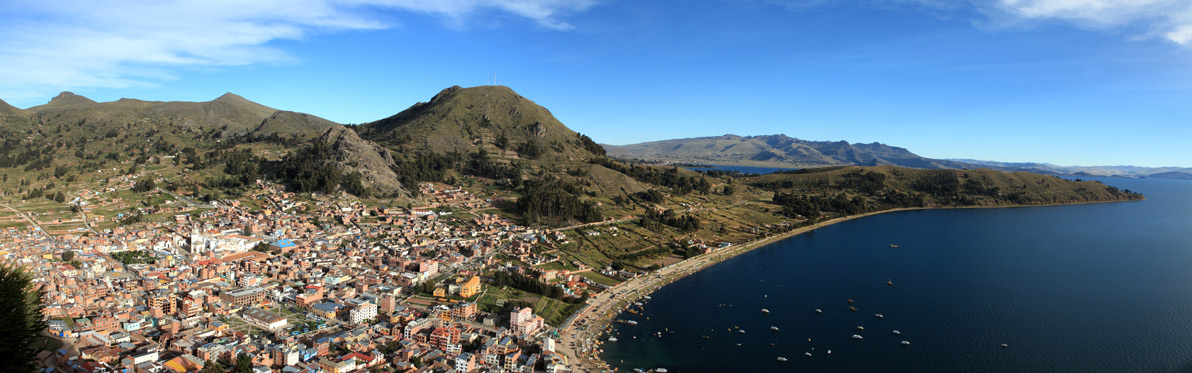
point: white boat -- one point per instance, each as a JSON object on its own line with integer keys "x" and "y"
{"x": 638, "y": 370}
{"x": 774, "y": 328}
{"x": 742, "y": 331}
{"x": 896, "y": 332}
{"x": 860, "y": 327}
{"x": 878, "y": 315}
{"x": 660, "y": 370}
{"x": 1005, "y": 345}
{"x": 765, "y": 310}
{"x": 612, "y": 339}
{"x": 808, "y": 354}
{"x": 855, "y": 336}
{"x": 780, "y": 358}
{"x": 817, "y": 310}
{"x": 905, "y": 343}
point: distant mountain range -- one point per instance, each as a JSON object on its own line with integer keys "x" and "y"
{"x": 787, "y": 152}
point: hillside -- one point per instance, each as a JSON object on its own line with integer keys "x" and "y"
{"x": 494, "y": 118}
{"x": 9, "y": 110}
{"x": 495, "y": 133}
{"x": 773, "y": 151}
{"x": 851, "y": 190}
{"x": 286, "y": 124}
{"x": 338, "y": 157}
{"x": 493, "y": 142}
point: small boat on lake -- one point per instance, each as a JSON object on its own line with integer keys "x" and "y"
{"x": 817, "y": 310}
{"x": 890, "y": 282}
{"x": 808, "y": 354}
{"x": 896, "y": 332}
{"x": 782, "y": 359}
{"x": 850, "y": 300}
{"x": 893, "y": 245}
{"x": 1005, "y": 345}
{"x": 765, "y": 310}
{"x": 905, "y": 343}
{"x": 854, "y": 309}
{"x": 774, "y": 328}
{"x": 860, "y": 327}
{"x": 612, "y": 339}
{"x": 742, "y": 331}
{"x": 856, "y": 336}
{"x": 878, "y": 315}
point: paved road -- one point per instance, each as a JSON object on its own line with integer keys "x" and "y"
{"x": 87, "y": 223}
{"x": 29, "y": 219}
{"x": 188, "y": 201}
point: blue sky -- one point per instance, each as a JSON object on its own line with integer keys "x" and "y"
{"x": 1070, "y": 82}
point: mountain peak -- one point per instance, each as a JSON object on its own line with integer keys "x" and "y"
{"x": 69, "y": 98}
{"x": 461, "y": 119}
{"x": 243, "y": 103}
{"x": 231, "y": 97}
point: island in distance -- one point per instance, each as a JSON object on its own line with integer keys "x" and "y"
{"x": 781, "y": 151}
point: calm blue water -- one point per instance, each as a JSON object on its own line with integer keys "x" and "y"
{"x": 743, "y": 169}
{"x": 1101, "y": 287}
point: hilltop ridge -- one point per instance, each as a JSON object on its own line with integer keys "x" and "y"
{"x": 773, "y": 151}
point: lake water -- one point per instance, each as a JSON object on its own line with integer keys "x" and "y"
{"x": 742, "y": 169}
{"x": 1098, "y": 287}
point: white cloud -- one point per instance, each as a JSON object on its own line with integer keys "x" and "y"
{"x": 76, "y": 44}
{"x": 1166, "y": 19}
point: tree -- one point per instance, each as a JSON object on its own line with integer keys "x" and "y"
{"x": 212, "y": 367}
{"x": 144, "y": 186}
{"x": 68, "y": 255}
{"x": 21, "y": 318}
{"x": 728, "y": 190}
{"x": 243, "y": 363}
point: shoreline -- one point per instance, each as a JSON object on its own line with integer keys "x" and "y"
{"x": 601, "y": 311}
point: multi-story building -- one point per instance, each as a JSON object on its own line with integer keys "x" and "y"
{"x": 188, "y": 307}
{"x": 388, "y": 303}
{"x": 364, "y": 312}
{"x": 105, "y": 325}
{"x": 524, "y": 321}
{"x": 443, "y": 336}
{"x": 463, "y": 311}
{"x": 414, "y": 327}
{"x": 243, "y": 297}
{"x": 162, "y": 299}
{"x": 465, "y": 362}
{"x": 470, "y": 288}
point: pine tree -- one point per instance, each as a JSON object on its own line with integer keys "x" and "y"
{"x": 21, "y": 319}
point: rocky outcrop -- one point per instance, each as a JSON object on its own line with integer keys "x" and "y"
{"x": 351, "y": 154}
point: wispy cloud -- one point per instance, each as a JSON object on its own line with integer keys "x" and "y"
{"x": 77, "y": 44}
{"x": 1170, "y": 20}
